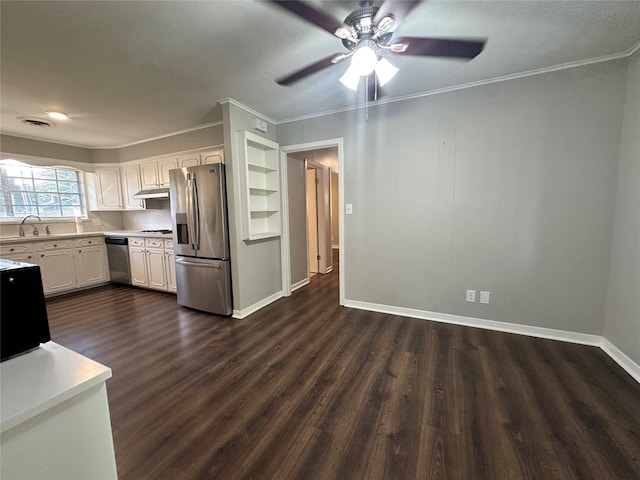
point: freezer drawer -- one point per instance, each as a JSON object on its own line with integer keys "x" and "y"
{"x": 204, "y": 284}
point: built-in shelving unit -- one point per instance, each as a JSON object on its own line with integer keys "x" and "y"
{"x": 260, "y": 187}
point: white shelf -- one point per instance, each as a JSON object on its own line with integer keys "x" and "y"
{"x": 260, "y": 186}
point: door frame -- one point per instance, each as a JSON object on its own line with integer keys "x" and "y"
{"x": 284, "y": 198}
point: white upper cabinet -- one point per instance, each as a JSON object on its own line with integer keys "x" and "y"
{"x": 108, "y": 190}
{"x": 192, "y": 160}
{"x": 131, "y": 184}
{"x": 214, "y": 156}
{"x": 260, "y": 186}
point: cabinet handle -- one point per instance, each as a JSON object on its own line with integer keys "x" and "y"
{"x": 11, "y": 249}
{"x": 42, "y": 255}
{"x": 79, "y": 251}
{"x": 55, "y": 244}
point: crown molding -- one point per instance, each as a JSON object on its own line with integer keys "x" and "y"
{"x": 246, "y": 109}
{"x": 463, "y": 86}
{"x": 166, "y": 135}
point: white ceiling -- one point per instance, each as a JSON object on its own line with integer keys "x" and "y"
{"x": 127, "y": 71}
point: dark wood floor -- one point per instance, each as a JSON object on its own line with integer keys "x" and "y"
{"x": 305, "y": 389}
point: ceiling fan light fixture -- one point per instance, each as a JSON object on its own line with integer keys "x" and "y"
{"x": 351, "y": 78}
{"x": 385, "y": 71}
{"x": 364, "y": 60}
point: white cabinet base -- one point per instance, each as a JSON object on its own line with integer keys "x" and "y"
{"x": 70, "y": 441}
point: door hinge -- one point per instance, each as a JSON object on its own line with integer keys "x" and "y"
{"x": 318, "y": 257}
{"x": 317, "y": 181}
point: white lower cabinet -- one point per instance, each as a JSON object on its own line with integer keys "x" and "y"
{"x": 156, "y": 266}
{"x": 138, "y": 264}
{"x": 91, "y": 266}
{"x": 65, "y": 264}
{"x": 56, "y": 268}
{"x": 171, "y": 271}
{"x": 151, "y": 261}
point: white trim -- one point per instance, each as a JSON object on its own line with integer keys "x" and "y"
{"x": 330, "y": 142}
{"x": 285, "y": 254}
{"x": 245, "y": 312}
{"x": 329, "y": 269}
{"x": 453, "y": 88}
{"x": 246, "y": 109}
{"x": 616, "y": 354}
{"x": 300, "y": 284}
{"x": 166, "y": 135}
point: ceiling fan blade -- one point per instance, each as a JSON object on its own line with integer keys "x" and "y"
{"x": 398, "y": 9}
{"x": 311, "y": 14}
{"x": 311, "y": 69}
{"x": 437, "y": 47}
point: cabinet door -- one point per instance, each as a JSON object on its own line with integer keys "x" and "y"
{"x": 157, "y": 269}
{"x": 57, "y": 270}
{"x": 192, "y": 160}
{"x": 171, "y": 271}
{"x": 108, "y": 192}
{"x": 149, "y": 174}
{"x": 138, "y": 266}
{"x": 91, "y": 265}
{"x": 216, "y": 156}
{"x": 164, "y": 165}
{"x": 132, "y": 184}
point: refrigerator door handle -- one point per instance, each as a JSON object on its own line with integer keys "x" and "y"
{"x": 192, "y": 205}
{"x": 183, "y": 261}
{"x": 195, "y": 208}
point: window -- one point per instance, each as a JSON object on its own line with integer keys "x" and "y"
{"x": 43, "y": 191}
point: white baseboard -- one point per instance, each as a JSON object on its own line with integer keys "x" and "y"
{"x": 245, "y": 312}
{"x": 617, "y": 355}
{"x": 621, "y": 358}
{"x": 300, "y": 284}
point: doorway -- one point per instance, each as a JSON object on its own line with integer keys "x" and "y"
{"x": 312, "y": 212}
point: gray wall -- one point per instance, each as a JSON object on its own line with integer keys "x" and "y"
{"x": 204, "y": 137}
{"x": 296, "y": 180}
{"x": 508, "y": 187}
{"x": 36, "y": 148}
{"x": 622, "y": 319}
{"x": 255, "y": 265}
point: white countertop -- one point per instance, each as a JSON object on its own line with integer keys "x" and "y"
{"x": 34, "y": 382}
{"x": 122, "y": 233}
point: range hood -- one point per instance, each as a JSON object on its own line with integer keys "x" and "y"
{"x": 153, "y": 193}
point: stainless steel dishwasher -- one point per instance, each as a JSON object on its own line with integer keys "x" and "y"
{"x": 118, "y": 253}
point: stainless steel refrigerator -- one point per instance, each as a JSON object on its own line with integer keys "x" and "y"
{"x": 201, "y": 238}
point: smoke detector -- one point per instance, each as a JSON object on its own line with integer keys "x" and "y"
{"x": 36, "y": 122}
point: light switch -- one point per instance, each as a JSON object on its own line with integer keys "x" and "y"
{"x": 484, "y": 297}
{"x": 349, "y": 208}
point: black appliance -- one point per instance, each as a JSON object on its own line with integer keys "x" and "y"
{"x": 24, "y": 324}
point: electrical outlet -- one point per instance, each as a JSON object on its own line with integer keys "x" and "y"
{"x": 349, "y": 209}
{"x": 471, "y": 296}
{"x": 484, "y": 297}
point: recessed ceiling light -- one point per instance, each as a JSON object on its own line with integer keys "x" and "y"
{"x": 57, "y": 115}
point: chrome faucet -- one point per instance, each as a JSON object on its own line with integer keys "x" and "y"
{"x": 35, "y": 229}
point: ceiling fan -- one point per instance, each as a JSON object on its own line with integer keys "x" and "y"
{"x": 367, "y": 33}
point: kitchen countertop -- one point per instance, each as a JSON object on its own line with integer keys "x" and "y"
{"x": 45, "y": 237}
{"x": 34, "y": 382}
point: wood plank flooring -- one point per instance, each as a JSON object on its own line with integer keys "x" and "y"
{"x": 306, "y": 389}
